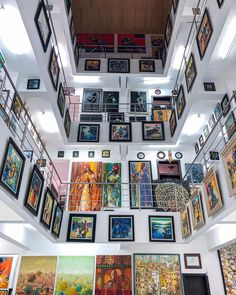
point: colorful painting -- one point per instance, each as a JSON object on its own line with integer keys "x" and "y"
{"x": 92, "y": 65}
{"x": 196, "y": 210}
{"x": 16, "y": 106}
{"x": 67, "y": 123}
{"x": 75, "y": 275}
{"x": 120, "y": 132}
{"x": 180, "y": 102}
{"x": 172, "y": 123}
{"x": 230, "y": 125}
{"x": 121, "y": 228}
{"x": 161, "y": 229}
{"x": 157, "y": 273}
{"x": 153, "y": 131}
{"x": 134, "y": 43}
{"x": 86, "y": 192}
{"x": 37, "y": 275}
{"x": 61, "y": 100}
{"x": 111, "y": 101}
{"x": 190, "y": 72}
{"x": 57, "y": 219}
{"x": 138, "y": 101}
{"x": 194, "y": 172}
{"x": 81, "y": 228}
{"x": 3, "y": 292}
{"x": 113, "y": 275}
{"x": 161, "y": 115}
{"x": 185, "y": 223}
{"x": 96, "y": 42}
{"x": 158, "y": 46}
{"x": 88, "y": 132}
{"x": 140, "y": 178}
{"x": 12, "y": 168}
{"x": 168, "y": 31}
{"x": 118, "y": 65}
{"x": 92, "y": 100}
{"x": 111, "y": 185}
{"x": 54, "y": 69}
{"x": 48, "y": 204}
{"x": 146, "y": 65}
{"x": 5, "y": 271}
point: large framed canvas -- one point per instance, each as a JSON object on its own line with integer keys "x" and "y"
{"x": 113, "y": 275}
{"x": 61, "y": 100}
{"x": 133, "y": 43}
{"x": 180, "y": 102}
{"x": 86, "y": 190}
{"x": 153, "y": 130}
{"x": 81, "y": 228}
{"x": 37, "y": 273}
{"x": 204, "y": 34}
{"x": 67, "y": 123}
{"x": 111, "y": 185}
{"x": 197, "y": 214}
{"x": 120, "y": 132}
{"x": 47, "y": 209}
{"x": 88, "y": 133}
{"x": 16, "y": 106}
{"x": 146, "y": 65}
{"x": 57, "y": 219}
{"x": 111, "y": 101}
{"x": 5, "y": 267}
{"x": 152, "y": 269}
{"x": 54, "y": 69}
{"x": 190, "y": 72}
{"x": 12, "y": 168}
{"x": 34, "y": 193}
{"x": 225, "y": 105}
{"x": 121, "y": 228}
{"x": 92, "y": 100}
{"x": 42, "y": 24}
{"x": 185, "y": 223}
{"x": 140, "y": 178}
{"x": 75, "y": 275}
{"x": 138, "y": 101}
{"x": 118, "y": 65}
{"x": 172, "y": 123}
{"x": 230, "y": 125}
{"x": 92, "y": 65}
{"x": 220, "y": 2}
{"x": 194, "y": 172}
{"x": 161, "y": 228}
{"x": 168, "y": 31}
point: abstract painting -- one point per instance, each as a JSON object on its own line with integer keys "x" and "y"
{"x": 134, "y": 43}
{"x": 153, "y": 131}
{"x": 121, "y": 228}
{"x": 161, "y": 229}
{"x": 57, "y": 219}
{"x": 47, "y": 209}
{"x": 138, "y": 101}
{"x": 113, "y": 275}
{"x": 88, "y": 133}
{"x": 92, "y": 100}
{"x": 190, "y": 72}
{"x": 5, "y": 271}
{"x": 118, "y": 65}
{"x": 185, "y": 223}
{"x": 111, "y": 101}
{"x": 196, "y": 210}
{"x": 180, "y": 102}
{"x": 120, "y": 132}
{"x": 194, "y": 172}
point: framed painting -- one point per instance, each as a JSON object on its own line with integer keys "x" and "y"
{"x": 214, "y": 156}
{"x": 92, "y": 65}
{"x": 3, "y": 292}
{"x": 163, "y": 56}
{"x": 60, "y": 154}
{"x": 91, "y": 154}
{"x": 54, "y": 69}
{"x": 161, "y": 229}
{"x": 28, "y": 154}
{"x": 146, "y": 65}
{"x": 217, "y": 111}
{"x": 161, "y": 115}
{"x": 196, "y": 210}
{"x": 57, "y": 219}
{"x": 16, "y": 106}
{"x": 47, "y": 209}
{"x": 209, "y": 86}
{"x": 118, "y": 65}
{"x": 81, "y": 228}
{"x": 41, "y": 163}
{"x": 194, "y": 172}
{"x": 92, "y": 100}
{"x": 168, "y": 31}
{"x": 61, "y": 100}
{"x": 140, "y": 179}
{"x": 153, "y": 131}
{"x": 230, "y": 125}
{"x": 190, "y": 72}
{"x": 158, "y": 266}
{"x": 67, "y": 123}
{"x": 172, "y": 123}
{"x": 111, "y": 101}
{"x": 106, "y": 153}
{"x": 12, "y": 168}
{"x": 212, "y": 121}
{"x": 206, "y": 131}
{"x": 116, "y": 117}
{"x": 88, "y": 133}
{"x": 34, "y": 192}
{"x": 192, "y": 261}
{"x": 175, "y": 5}
{"x": 132, "y": 43}
{"x": 120, "y": 132}
{"x": 33, "y": 84}
{"x": 185, "y": 223}
{"x": 201, "y": 141}
{"x": 225, "y": 106}
{"x": 196, "y": 147}
{"x": 138, "y": 101}
{"x": 42, "y": 24}
{"x": 5, "y": 267}
{"x": 220, "y": 2}
{"x": 180, "y": 102}
{"x": 121, "y": 228}
{"x": 204, "y": 34}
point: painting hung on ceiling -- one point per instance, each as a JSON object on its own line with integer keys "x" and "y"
{"x": 194, "y": 172}
{"x": 85, "y": 193}
{"x": 151, "y": 272}
{"x": 75, "y": 275}
{"x": 113, "y": 275}
{"x": 92, "y": 100}
{"x": 36, "y": 275}
{"x": 134, "y": 43}
{"x": 138, "y": 101}
{"x": 5, "y": 271}
{"x": 111, "y": 185}
{"x": 96, "y": 42}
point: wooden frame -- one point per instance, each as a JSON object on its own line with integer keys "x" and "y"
{"x": 151, "y": 238}
{"x": 54, "y": 69}
{"x": 180, "y": 102}
{"x": 120, "y": 139}
{"x": 153, "y": 126}
{"x": 190, "y": 72}
{"x": 195, "y": 214}
{"x": 56, "y": 225}
{"x": 196, "y": 257}
{"x": 49, "y": 195}
{"x": 185, "y": 223}
{"x": 80, "y": 130}
{"x": 122, "y": 231}
{"x": 119, "y": 67}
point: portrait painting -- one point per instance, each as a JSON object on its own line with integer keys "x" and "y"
{"x": 86, "y": 190}
{"x": 116, "y": 117}
{"x": 92, "y": 65}
{"x": 111, "y": 101}
{"x": 138, "y": 101}
{"x": 88, "y": 133}
{"x": 113, "y": 275}
{"x": 5, "y": 271}
{"x": 16, "y": 106}
{"x": 121, "y": 228}
{"x": 168, "y": 31}
{"x": 161, "y": 229}
{"x": 180, "y": 102}
{"x": 172, "y": 123}
{"x": 153, "y": 130}
{"x": 92, "y": 100}
{"x": 194, "y": 172}
{"x": 81, "y": 228}
{"x": 57, "y": 219}
{"x": 61, "y": 100}
{"x": 54, "y": 69}
{"x": 33, "y": 196}
{"x": 111, "y": 185}
{"x": 146, "y": 65}
{"x": 140, "y": 178}
{"x": 12, "y": 168}
{"x": 230, "y": 125}
{"x": 120, "y": 132}
{"x": 47, "y": 209}
{"x": 185, "y": 223}
{"x": 36, "y": 275}
{"x": 118, "y": 65}
{"x": 197, "y": 213}
{"x": 190, "y": 72}
{"x": 217, "y": 111}
{"x": 67, "y": 123}
{"x": 151, "y": 269}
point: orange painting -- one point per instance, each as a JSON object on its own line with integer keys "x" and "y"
{"x": 5, "y": 270}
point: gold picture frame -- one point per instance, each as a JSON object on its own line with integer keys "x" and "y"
{"x": 197, "y": 213}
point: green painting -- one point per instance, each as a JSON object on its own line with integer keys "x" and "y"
{"x": 75, "y": 275}
{"x": 112, "y": 185}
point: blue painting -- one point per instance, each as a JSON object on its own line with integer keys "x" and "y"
{"x": 88, "y": 132}
{"x": 121, "y": 228}
{"x": 161, "y": 229}
{"x": 194, "y": 173}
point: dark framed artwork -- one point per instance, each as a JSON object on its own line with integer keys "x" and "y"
{"x": 121, "y": 228}
{"x": 106, "y": 153}
{"x": 61, "y": 100}
{"x": 201, "y": 141}
{"x": 180, "y": 102}
{"x": 161, "y": 155}
{"x": 146, "y": 65}
{"x": 60, "y": 154}
{"x": 120, "y": 132}
{"x": 138, "y": 101}
{"x": 16, "y": 106}
{"x": 197, "y": 214}
{"x": 190, "y": 72}
{"x": 168, "y": 31}
{"x": 175, "y": 5}
{"x": 214, "y": 156}
{"x": 91, "y": 154}
{"x": 192, "y": 261}
{"x": 153, "y": 131}
{"x": 90, "y": 118}
{"x": 209, "y": 86}
{"x": 42, "y": 24}
{"x": 118, "y": 65}
{"x": 220, "y": 2}
{"x": 41, "y": 163}
{"x": 225, "y": 105}
{"x": 161, "y": 228}
{"x": 212, "y": 121}
{"x": 194, "y": 172}
{"x": 88, "y": 133}
{"x": 47, "y": 209}
{"x": 57, "y": 219}
{"x": 28, "y": 154}
{"x": 34, "y": 192}
{"x": 33, "y": 84}
{"x": 138, "y": 119}
{"x": 196, "y": 147}
{"x": 75, "y": 154}
{"x": 67, "y": 123}
{"x": 230, "y": 125}
{"x": 172, "y": 123}
{"x": 72, "y": 32}
{"x": 12, "y": 168}
{"x": 92, "y": 65}
{"x": 163, "y": 56}
{"x": 111, "y": 101}
{"x": 81, "y": 228}
{"x": 54, "y": 69}
{"x": 68, "y": 5}
{"x": 116, "y": 117}
{"x": 140, "y": 155}
{"x": 92, "y": 100}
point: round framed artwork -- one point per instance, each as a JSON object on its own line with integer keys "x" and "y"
{"x": 141, "y": 155}
{"x": 161, "y": 155}
{"x": 178, "y": 155}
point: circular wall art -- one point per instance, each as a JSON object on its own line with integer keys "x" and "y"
{"x": 161, "y": 155}
{"x": 141, "y": 155}
{"x": 157, "y": 91}
{"x": 178, "y": 155}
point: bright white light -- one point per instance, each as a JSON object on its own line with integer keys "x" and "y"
{"x": 13, "y": 33}
{"x": 48, "y": 122}
{"x": 228, "y": 39}
{"x": 193, "y": 124}
{"x": 63, "y": 55}
{"x": 178, "y": 57}
{"x": 86, "y": 79}
{"x": 160, "y": 80}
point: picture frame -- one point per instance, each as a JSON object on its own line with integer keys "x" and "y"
{"x": 220, "y": 2}
{"x": 92, "y": 65}
{"x": 121, "y": 228}
{"x": 60, "y": 154}
{"x": 91, "y": 118}
{"x": 146, "y": 66}
{"x": 206, "y": 131}
{"x": 43, "y": 26}
{"x": 163, "y": 56}
{"x": 224, "y": 107}
{"x": 72, "y": 32}
{"x": 111, "y": 101}
{"x": 201, "y": 141}
{"x": 106, "y": 153}
{"x": 185, "y": 223}
{"x": 156, "y": 224}
{"x": 214, "y": 156}
{"x": 172, "y": 122}
{"x": 175, "y": 5}
{"x": 67, "y": 123}
{"x": 57, "y": 220}
{"x": 75, "y": 154}
{"x": 14, "y": 161}
{"x": 140, "y": 155}
{"x": 116, "y": 117}
{"x": 88, "y": 133}
{"x": 190, "y": 72}
{"x": 178, "y": 155}
{"x": 212, "y": 121}
{"x": 168, "y": 31}
{"x": 16, "y": 106}
{"x": 28, "y": 154}
{"x": 180, "y": 102}
{"x": 120, "y": 132}
{"x": 161, "y": 155}
{"x": 194, "y": 172}
{"x": 197, "y": 213}
{"x": 47, "y": 209}
{"x": 3, "y": 292}
{"x": 54, "y": 69}
{"x": 81, "y": 228}
{"x": 153, "y": 131}
{"x": 92, "y": 99}
{"x": 33, "y": 84}
{"x": 137, "y": 119}
{"x": 230, "y": 125}
{"x": 209, "y": 86}
{"x": 91, "y": 154}
{"x": 34, "y": 191}
{"x": 217, "y": 111}
{"x": 118, "y": 65}
{"x": 61, "y": 100}
{"x": 138, "y": 101}
{"x": 196, "y": 147}
{"x": 192, "y": 261}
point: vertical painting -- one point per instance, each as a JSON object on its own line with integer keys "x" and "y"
{"x": 113, "y": 275}
{"x": 5, "y": 271}
{"x": 157, "y": 273}
{"x": 92, "y": 100}
{"x": 111, "y": 185}
{"x": 161, "y": 229}
{"x": 190, "y": 72}
{"x": 138, "y": 101}
{"x": 140, "y": 176}
{"x": 185, "y": 223}
{"x": 196, "y": 210}
{"x": 86, "y": 192}
{"x": 75, "y": 275}
{"x": 37, "y": 275}
{"x": 111, "y": 101}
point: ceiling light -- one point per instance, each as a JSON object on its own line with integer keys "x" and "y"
{"x": 178, "y": 57}
{"x": 63, "y": 55}
{"x": 160, "y": 80}
{"x": 228, "y": 39}
{"x": 193, "y": 124}
{"x": 86, "y": 79}
{"x": 48, "y": 122}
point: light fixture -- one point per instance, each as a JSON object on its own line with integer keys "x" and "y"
{"x": 86, "y": 79}
{"x": 151, "y": 80}
{"x": 48, "y": 122}
{"x": 178, "y": 57}
{"x": 193, "y": 124}
{"x": 228, "y": 39}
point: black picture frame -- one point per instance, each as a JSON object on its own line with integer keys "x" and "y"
{"x": 220, "y": 3}
{"x": 209, "y": 86}
{"x": 225, "y": 109}
{"x": 146, "y": 66}
{"x": 171, "y": 218}
{"x": 72, "y": 32}
{"x": 54, "y": 69}
{"x": 60, "y": 154}
{"x": 190, "y": 77}
{"x": 92, "y": 65}
{"x": 168, "y": 31}
{"x": 61, "y": 100}
{"x": 129, "y": 131}
{"x": 180, "y": 102}
{"x": 140, "y": 155}
{"x": 110, "y": 102}
{"x": 67, "y": 123}
{"x": 91, "y": 154}
{"x": 214, "y": 155}
{"x": 48, "y": 193}
{"x": 116, "y": 117}
{"x": 192, "y": 255}
{"x": 173, "y": 123}
{"x": 201, "y": 141}
{"x": 118, "y": 239}
{"x": 92, "y": 100}
{"x": 115, "y": 65}
{"x": 75, "y": 154}
{"x": 33, "y": 84}
{"x": 55, "y": 222}
{"x": 81, "y": 131}
{"x": 147, "y": 137}
{"x": 230, "y": 125}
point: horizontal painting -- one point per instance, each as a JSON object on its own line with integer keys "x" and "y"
{"x": 146, "y": 65}
{"x": 121, "y": 228}
{"x": 138, "y": 101}
{"x": 118, "y": 65}
{"x": 92, "y": 100}
{"x": 96, "y": 42}
{"x": 5, "y": 271}
{"x": 111, "y": 101}
{"x": 161, "y": 115}
{"x": 194, "y": 172}
{"x": 92, "y": 65}
{"x": 120, "y": 132}
{"x": 88, "y": 133}
{"x": 161, "y": 229}
{"x": 153, "y": 131}
{"x": 133, "y": 43}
